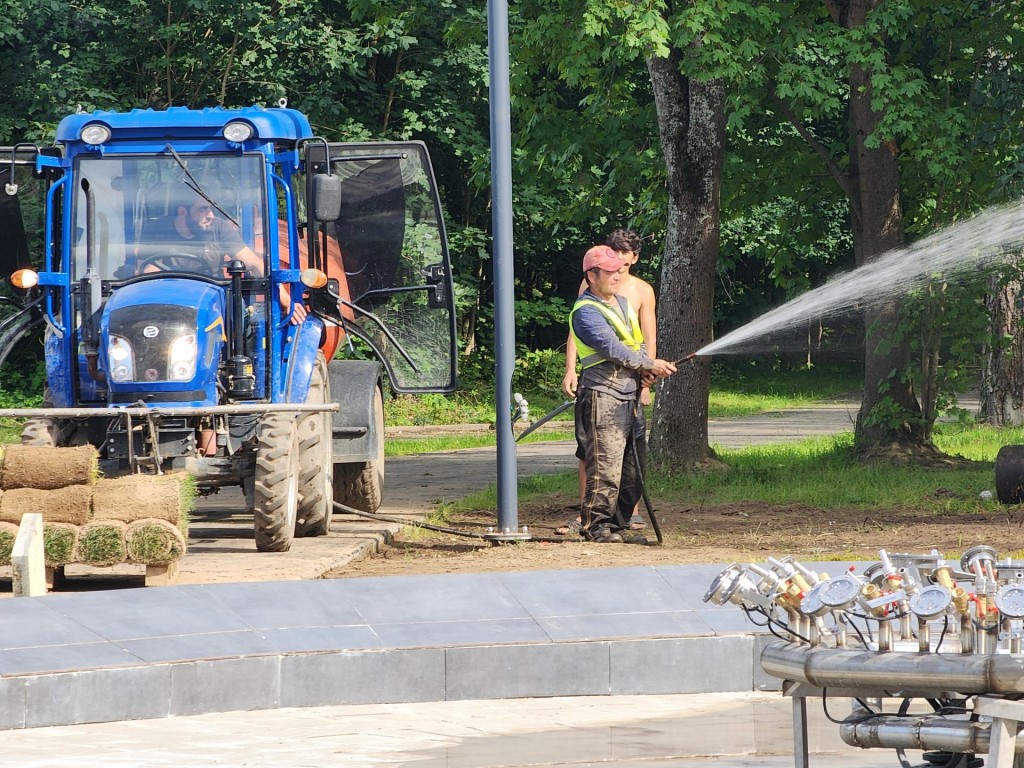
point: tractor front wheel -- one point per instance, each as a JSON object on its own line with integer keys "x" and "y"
{"x": 276, "y": 483}
{"x": 315, "y": 503}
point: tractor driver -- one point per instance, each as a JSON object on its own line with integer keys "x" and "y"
{"x": 195, "y": 239}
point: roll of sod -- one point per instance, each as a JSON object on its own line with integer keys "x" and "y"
{"x": 32, "y": 466}
{"x": 101, "y": 543}
{"x": 8, "y": 533}
{"x": 154, "y": 542}
{"x": 59, "y": 540}
{"x": 72, "y": 504}
{"x": 143, "y": 497}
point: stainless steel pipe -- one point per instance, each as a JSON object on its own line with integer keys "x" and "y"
{"x": 926, "y": 732}
{"x": 843, "y": 668}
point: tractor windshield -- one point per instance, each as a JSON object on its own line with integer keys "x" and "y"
{"x": 173, "y": 212}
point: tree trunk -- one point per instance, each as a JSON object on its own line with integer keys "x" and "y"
{"x": 691, "y": 123}
{"x": 889, "y": 413}
{"x": 1002, "y": 379}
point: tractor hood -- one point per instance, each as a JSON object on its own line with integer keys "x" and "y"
{"x": 161, "y": 342}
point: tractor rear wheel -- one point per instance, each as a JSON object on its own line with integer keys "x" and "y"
{"x": 360, "y": 485}
{"x": 276, "y": 483}
{"x": 315, "y": 498}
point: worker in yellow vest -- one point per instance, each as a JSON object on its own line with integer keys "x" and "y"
{"x": 615, "y": 366}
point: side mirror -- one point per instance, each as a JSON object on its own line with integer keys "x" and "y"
{"x": 326, "y": 197}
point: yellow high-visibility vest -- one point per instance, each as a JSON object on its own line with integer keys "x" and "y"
{"x": 631, "y": 336}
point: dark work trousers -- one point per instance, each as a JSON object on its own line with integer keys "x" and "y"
{"x": 607, "y": 427}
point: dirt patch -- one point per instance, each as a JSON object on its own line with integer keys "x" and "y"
{"x": 712, "y": 533}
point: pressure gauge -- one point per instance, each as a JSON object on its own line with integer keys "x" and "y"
{"x": 841, "y": 592}
{"x": 1010, "y": 600}
{"x": 812, "y": 605}
{"x": 931, "y": 602}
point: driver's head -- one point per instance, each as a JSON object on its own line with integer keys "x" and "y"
{"x": 198, "y": 215}
{"x": 192, "y": 210}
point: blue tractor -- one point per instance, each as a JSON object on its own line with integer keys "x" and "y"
{"x": 221, "y": 292}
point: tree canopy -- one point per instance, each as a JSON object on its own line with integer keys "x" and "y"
{"x": 815, "y": 134}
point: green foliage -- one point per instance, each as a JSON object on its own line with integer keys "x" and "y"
{"x": 946, "y": 80}
{"x": 944, "y": 327}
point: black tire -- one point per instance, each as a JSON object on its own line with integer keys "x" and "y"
{"x": 42, "y": 431}
{"x": 315, "y": 467}
{"x": 361, "y": 485}
{"x": 39, "y": 432}
{"x": 276, "y": 483}
{"x": 1010, "y": 474}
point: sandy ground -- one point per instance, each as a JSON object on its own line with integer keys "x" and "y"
{"x": 697, "y": 534}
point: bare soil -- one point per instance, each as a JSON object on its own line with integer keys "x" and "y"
{"x": 719, "y": 533}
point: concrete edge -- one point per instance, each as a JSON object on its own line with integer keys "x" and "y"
{"x": 703, "y": 664}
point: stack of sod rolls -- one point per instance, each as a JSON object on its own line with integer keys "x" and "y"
{"x": 88, "y": 519}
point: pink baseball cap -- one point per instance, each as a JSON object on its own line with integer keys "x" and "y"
{"x": 603, "y": 257}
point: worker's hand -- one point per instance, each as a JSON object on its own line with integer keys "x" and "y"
{"x": 286, "y": 306}
{"x": 299, "y": 315}
{"x": 660, "y": 369}
{"x": 645, "y": 395}
{"x": 569, "y": 384}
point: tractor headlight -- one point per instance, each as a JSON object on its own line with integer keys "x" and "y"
{"x": 238, "y": 132}
{"x": 184, "y": 352}
{"x": 95, "y": 134}
{"x": 122, "y": 359}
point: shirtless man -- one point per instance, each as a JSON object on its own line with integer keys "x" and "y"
{"x": 640, "y": 295}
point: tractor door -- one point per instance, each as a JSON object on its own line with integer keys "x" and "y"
{"x": 394, "y": 254}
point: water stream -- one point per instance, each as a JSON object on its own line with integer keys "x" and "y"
{"x": 960, "y": 249}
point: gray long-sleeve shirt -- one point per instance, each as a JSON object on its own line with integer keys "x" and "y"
{"x": 618, "y": 375}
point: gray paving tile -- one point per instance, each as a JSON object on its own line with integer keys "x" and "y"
{"x": 371, "y": 677}
{"x": 467, "y": 632}
{"x": 224, "y": 686}
{"x": 266, "y": 605}
{"x": 728, "y": 620}
{"x": 31, "y": 621}
{"x": 211, "y": 645}
{"x": 446, "y": 597}
{"x": 623, "y": 625}
{"x": 126, "y": 614}
{"x": 592, "y": 591}
{"x": 65, "y": 658}
{"x": 681, "y": 665}
{"x": 558, "y": 669}
{"x": 12, "y": 702}
{"x": 95, "y": 697}
{"x": 300, "y": 639}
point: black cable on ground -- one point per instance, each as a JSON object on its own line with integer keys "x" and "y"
{"x": 440, "y": 528}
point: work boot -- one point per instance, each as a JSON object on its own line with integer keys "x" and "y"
{"x": 603, "y": 535}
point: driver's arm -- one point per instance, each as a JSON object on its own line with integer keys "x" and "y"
{"x": 255, "y": 265}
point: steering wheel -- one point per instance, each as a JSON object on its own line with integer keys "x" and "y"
{"x": 171, "y": 262}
